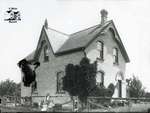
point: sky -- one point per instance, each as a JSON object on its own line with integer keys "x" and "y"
{"x": 131, "y": 18}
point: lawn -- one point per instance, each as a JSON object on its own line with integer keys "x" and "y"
{"x": 139, "y": 107}
{"x": 17, "y": 109}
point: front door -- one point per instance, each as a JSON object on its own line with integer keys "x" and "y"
{"x": 119, "y": 88}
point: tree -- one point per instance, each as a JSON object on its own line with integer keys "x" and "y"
{"x": 80, "y": 79}
{"x": 136, "y": 88}
{"x": 10, "y": 88}
{"x": 147, "y": 95}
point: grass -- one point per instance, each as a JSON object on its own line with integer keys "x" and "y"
{"x": 139, "y": 107}
{"x": 17, "y": 109}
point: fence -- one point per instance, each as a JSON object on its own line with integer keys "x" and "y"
{"x": 10, "y": 100}
{"x": 107, "y": 104}
{"x": 72, "y": 104}
{"x": 55, "y": 103}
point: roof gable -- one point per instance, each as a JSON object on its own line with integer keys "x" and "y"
{"x": 61, "y": 43}
{"x": 119, "y": 42}
{"x": 82, "y": 38}
{"x": 56, "y": 38}
{"x": 43, "y": 40}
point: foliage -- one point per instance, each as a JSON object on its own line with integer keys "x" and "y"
{"x": 80, "y": 79}
{"x": 110, "y": 90}
{"x": 101, "y": 91}
{"x": 29, "y": 73}
{"x": 10, "y": 88}
{"x": 147, "y": 94}
{"x": 35, "y": 105}
{"x": 136, "y": 88}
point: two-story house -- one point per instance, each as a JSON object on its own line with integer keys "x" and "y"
{"x": 55, "y": 50}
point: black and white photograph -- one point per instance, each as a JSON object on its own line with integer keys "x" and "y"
{"x": 75, "y": 56}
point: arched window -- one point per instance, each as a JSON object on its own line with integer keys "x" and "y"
{"x": 60, "y": 76}
{"x": 46, "y": 54}
{"x": 100, "y": 78}
{"x": 42, "y": 43}
{"x": 115, "y": 56}
{"x": 34, "y": 86}
{"x": 100, "y": 48}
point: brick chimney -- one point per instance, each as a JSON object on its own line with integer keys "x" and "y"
{"x": 46, "y": 24}
{"x": 103, "y": 16}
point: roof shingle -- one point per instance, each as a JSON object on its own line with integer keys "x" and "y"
{"x": 79, "y": 40}
{"x": 82, "y": 38}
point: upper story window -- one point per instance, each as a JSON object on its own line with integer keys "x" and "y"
{"x": 100, "y": 78}
{"x": 43, "y": 43}
{"x": 100, "y": 48}
{"x": 115, "y": 56}
{"x": 60, "y": 76}
{"x": 46, "y": 54}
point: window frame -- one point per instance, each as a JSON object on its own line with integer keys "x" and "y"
{"x": 101, "y": 50}
{"x": 102, "y": 78}
{"x": 115, "y": 56}
{"x": 34, "y": 87}
{"x": 59, "y": 89}
{"x": 46, "y": 56}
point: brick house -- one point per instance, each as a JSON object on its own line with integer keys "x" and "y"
{"x": 56, "y": 49}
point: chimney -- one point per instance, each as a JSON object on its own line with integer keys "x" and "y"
{"x": 103, "y": 16}
{"x": 46, "y": 24}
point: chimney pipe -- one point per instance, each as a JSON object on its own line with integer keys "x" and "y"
{"x": 46, "y": 24}
{"x": 103, "y": 16}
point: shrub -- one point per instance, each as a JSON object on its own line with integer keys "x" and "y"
{"x": 110, "y": 90}
{"x": 35, "y": 105}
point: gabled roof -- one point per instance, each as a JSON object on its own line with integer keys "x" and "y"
{"x": 62, "y": 43}
{"x": 56, "y": 38}
{"x": 81, "y": 39}
{"x": 30, "y": 57}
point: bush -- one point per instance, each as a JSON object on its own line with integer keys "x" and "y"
{"x": 35, "y": 105}
{"x": 110, "y": 90}
{"x": 101, "y": 91}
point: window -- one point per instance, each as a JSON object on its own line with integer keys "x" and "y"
{"x": 46, "y": 51}
{"x": 42, "y": 43}
{"x": 115, "y": 56}
{"x": 60, "y": 76}
{"x": 100, "y": 48}
{"x": 100, "y": 78}
{"x": 34, "y": 86}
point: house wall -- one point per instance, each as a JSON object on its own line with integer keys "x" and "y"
{"x": 46, "y": 74}
{"x": 110, "y": 70}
